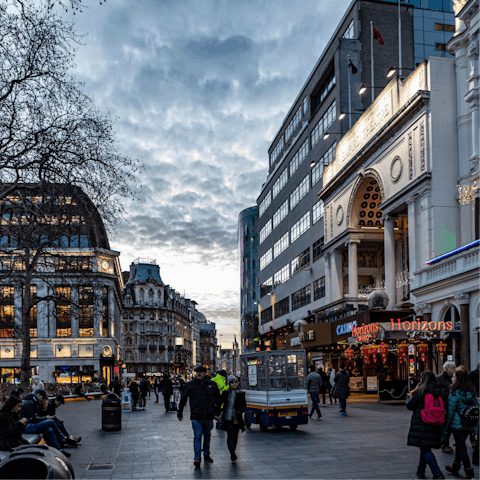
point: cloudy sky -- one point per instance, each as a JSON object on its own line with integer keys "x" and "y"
{"x": 198, "y": 90}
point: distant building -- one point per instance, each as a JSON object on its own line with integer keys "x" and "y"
{"x": 158, "y": 325}
{"x": 247, "y": 245}
{"x": 208, "y": 346}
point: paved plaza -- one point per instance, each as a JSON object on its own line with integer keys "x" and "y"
{"x": 369, "y": 443}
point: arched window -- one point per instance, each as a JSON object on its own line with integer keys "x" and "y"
{"x": 129, "y": 341}
{"x": 150, "y": 295}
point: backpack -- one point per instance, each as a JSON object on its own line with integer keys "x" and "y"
{"x": 434, "y": 411}
{"x": 469, "y": 417}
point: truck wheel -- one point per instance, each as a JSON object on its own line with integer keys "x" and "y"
{"x": 293, "y": 427}
{"x": 263, "y": 428}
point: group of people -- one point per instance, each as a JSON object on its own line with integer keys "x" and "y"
{"x": 209, "y": 402}
{"x": 445, "y": 406}
{"x": 169, "y": 387}
{"x": 336, "y": 385}
{"x": 34, "y": 414}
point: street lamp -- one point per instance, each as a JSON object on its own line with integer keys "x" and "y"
{"x": 327, "y": 134}
{"x": 392, "y": 70}
{"x": 363, "y": 88}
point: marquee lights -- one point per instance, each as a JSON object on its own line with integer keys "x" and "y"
{"x": 453, "y": 252}
{"x": 466, "y": 193}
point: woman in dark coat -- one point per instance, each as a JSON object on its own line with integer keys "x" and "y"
{"x": 135, "y": 391}
{"x": 325, "y": 385}
{"x": 234, "y": 405}
{"x": 341, "y": 390}
{"x": 11, "y": 428}
{"x": 421, "y": 434}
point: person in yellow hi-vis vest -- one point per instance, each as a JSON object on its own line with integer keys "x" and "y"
{"x": 221, "y": 380}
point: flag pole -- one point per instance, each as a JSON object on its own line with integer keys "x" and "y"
{"x": 399, "y": 41}
{"x": 371, "y": 52}
{"x": 349, "y": 96}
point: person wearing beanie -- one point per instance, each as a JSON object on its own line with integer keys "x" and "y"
{"x": 11, "y": 427}
{"x": 234, "y": 405}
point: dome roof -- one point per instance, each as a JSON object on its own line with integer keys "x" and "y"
{"x": 144, "y": 273}
{"x": 378, "y": 300}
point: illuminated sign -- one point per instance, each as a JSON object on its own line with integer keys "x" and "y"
{"x": 345, "y": 328}
{"x": 178, "y": 341}
{"x": 364, "y": 332}
{"x": 419, "y": 325}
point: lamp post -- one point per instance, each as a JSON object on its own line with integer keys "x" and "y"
{"x": 364, "y": 88}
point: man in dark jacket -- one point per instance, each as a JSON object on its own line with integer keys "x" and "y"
{"x": 116, "y": 387}
{"x": 314, "y": 386}
{"x": 33, "y": 408}
{"x": 52, "y": 411}
{"x": 166, "y": 386}
{"x": 341, "y": 389}
{"x": 445, "y": 380}
{"x": 144, "y": 388}
{"x": 204, "y": 407}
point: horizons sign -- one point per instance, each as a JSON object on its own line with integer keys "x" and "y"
{"x": 345, "y": 328}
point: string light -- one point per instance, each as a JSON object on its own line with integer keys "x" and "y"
{"x": 466, "y": 193}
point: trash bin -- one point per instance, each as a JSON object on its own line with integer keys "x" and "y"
{"x": 111, "y": 413}
{"x": 36, "y": 461}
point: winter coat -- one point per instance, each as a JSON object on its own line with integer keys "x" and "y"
{"x": 37, "y": 384}
{"x": 32, "y": 409}
{"x": 51, "y": 409}
{"x": 116, "y": 387}
{"x": 133, "y": 388}
{"x": 332, "y": 377}
{"x": 325, "y": 382}
{"x": 341, "y": 390}
{"x": 204, "y": 400}
{"x": 314, "y": 383}
{"x": 474, "y": 378}
{"x": 458, "y": 403}
{"x": 445, "y": 380}
{"x": 421, "y": 434}
{"x": 10, "y": 431}
{"x": 144, "y": 386}
{"x": 240, "y": 407}
{"x": 166, "y": 386}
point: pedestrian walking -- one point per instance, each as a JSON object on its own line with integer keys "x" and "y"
{"x": 325, "y": 386}
{"x": 167, "y": 390}
{"x": 341, "y": 390}
{"x": 421, "y": 434}
{"x": 221, "y": 380}
{"x": 11, "y": 426}
{"x": 204, "y": 407}
{"x": 156, "y": 388}
{"x": 331, "y": 377}
{"x": 116, "y": 387}
{"x": 135, "y": 391}
{"x": 144, "y": 388}
{"x": 445, "y": 381}
{"x": 234, "y": 405}
{"x": 462, "y": 398}
{"x": 314, "y": 385}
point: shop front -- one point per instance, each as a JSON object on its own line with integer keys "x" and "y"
{"x": 74, "y": 373}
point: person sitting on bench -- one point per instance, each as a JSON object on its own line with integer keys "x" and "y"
{"x": 11, "y": 427}
{"x": 78, "y": 391}
{"x": 52, "y": 411}
{"x": 33, "y": 408}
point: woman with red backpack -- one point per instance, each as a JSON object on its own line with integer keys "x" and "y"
{"x": 462, "y": 419}
{"x": 426, "y": 425}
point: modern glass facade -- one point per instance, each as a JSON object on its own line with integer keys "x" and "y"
{"x": 247, "y": 244}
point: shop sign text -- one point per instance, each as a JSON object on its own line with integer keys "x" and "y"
{"x": 363, "y": 333}
{"x": 419, "y": 325}
{"x": 345, "y": 328}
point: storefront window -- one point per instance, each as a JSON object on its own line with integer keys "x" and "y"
{"x": 6, "y": 312}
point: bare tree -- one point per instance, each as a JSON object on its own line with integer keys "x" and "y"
{"x": 54, "y": 144}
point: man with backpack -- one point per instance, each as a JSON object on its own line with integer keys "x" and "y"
{"x": 445, "y": 380}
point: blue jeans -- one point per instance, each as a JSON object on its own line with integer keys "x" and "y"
{"x": 315, "y": 399}
{"x": 53, "y": 436}
{"x": 201, "y": 429}
{"x": 428, "y": 458}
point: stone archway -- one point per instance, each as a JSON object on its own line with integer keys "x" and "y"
{"x": 367, "y": 193}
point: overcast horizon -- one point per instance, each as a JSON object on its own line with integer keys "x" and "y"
{"x": 198, "y": 90}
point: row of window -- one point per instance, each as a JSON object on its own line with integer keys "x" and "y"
{"x": 300, "y": 191}
{"x": 327, "y": 158}
{"x": 325, "y": 121}
{"x": 277, "y": 150}
{"x": 299, "y": 157}
{"x": 280, "y": 214}
{"x": 296, "y": 231}
{"x": 297, "y": 264}
{"x": 265, "y": 204}
{"x": 324, "y": 90}
{"x": 280, "y": 182}
{"x": 293, "y": 124}
{"x": 265, "y": 231}
{"x": 300, "y": 298}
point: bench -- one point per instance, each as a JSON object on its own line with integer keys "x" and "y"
{"x": 32, "y": 438}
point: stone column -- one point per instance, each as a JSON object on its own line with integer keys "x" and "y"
{"x": 328, "y": 289}
{"x": 42, "y": 311}
{"x": 17, "y": 310}
{"x": 390, "y": 261}
{"x": 412, "y": 240}
{"x": 74, "y": 311}
{"x": 337, "y": 277}
{"x": 463, "y": 299}
{"x": 52, "y": 313}
{"x": 353, "y": 268}
{"x": 97, "y": 312}
{"x": 111, "y": 312}
{"x": 427, "y": 316}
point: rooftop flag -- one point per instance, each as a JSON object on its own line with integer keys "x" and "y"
{"x": 377, "y": 36}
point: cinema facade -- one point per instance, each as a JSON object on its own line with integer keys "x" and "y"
{"x": 392, "y": 196}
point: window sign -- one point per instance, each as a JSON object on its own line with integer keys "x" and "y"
{"x": 252, "y": 375}
{"x": 7, "y": 351}
{"x": 63, "y": 351}
{"x": 85, "y": 350}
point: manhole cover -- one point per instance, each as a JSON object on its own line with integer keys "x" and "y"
{"x": 100, "y": 467}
